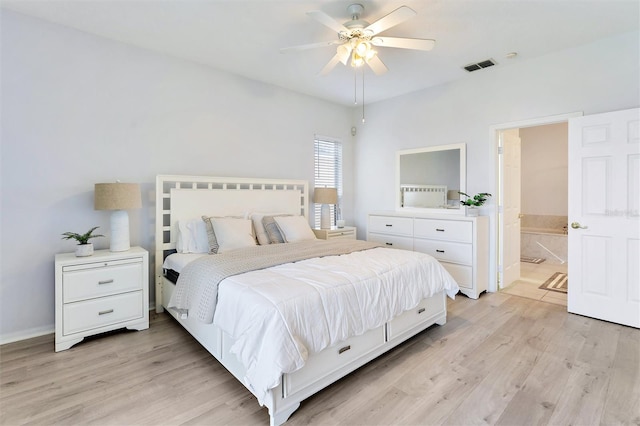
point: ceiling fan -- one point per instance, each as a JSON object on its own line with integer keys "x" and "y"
{"x": 357, "y": 38}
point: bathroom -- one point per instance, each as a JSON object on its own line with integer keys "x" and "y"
{"x": 544, "y": 193}
{"x": 543, "y": 213}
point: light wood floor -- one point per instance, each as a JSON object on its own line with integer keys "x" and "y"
{"x": 499, "y": 360}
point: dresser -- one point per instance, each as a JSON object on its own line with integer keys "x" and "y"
{"x": 98, "y": 293}
{"x": 333, "y": 232}
{"x": 460, "y": 243}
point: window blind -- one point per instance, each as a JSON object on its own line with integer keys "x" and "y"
{"x": 328, "y": 172}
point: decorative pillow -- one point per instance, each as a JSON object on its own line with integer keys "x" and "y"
{"x": 294, "y": 228}
{"x": 258, "y": 226}
{"x": 272, "y": 230}
{"x": 232, "y": 233}
{"x": 211, "y": 235}
{"x": 192, "y": 237}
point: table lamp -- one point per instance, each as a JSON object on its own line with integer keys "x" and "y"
{"x": 118, "y": 197}
{"x": 325, "y": 196}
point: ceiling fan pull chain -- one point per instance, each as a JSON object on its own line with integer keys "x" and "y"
{"x": 363, "y": 94}
{"x": 355, "y": 86}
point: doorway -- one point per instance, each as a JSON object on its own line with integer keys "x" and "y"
{"x": 532, "y": 213}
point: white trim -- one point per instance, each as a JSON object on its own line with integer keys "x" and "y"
{"x": 27, "y": 334}
{"x": 494, "y": 131}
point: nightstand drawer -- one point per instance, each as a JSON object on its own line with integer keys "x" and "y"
{"x": 90, "y": 314}
{"x": 342, "y": 233}
{"x": 449, "y": 230}
{"x": 391, "y": 225}
{"x": 446, "y": 251}
{"x": 92, "y": 282}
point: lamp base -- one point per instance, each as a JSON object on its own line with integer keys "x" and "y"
{"x": 325, "y": 217}
{"x": 119, "y": 231}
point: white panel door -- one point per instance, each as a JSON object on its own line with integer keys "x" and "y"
{"x": 604, "y": 217}
{"x": 511, "y": 166}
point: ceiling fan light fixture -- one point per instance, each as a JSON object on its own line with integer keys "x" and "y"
{"x": 357, "y": 60}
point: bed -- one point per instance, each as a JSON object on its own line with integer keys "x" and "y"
{"x": 284, "y": 328}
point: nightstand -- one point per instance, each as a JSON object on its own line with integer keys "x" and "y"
{"x": 333, "y": 232}
{"x": 102, "y": 292}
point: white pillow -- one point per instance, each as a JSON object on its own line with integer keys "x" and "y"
{"x": 192, "y": 237}
{"x": 294, "y": 228}
{"x": 232, "y": 233}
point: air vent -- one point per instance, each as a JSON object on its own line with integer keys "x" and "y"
{"x": 480, "y": 65}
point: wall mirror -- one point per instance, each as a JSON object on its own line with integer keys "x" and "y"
{"x": 428, "y": 179}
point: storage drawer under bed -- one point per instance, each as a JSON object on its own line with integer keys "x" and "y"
{"x": 426, "y": 310}
{"x": 333, "y": 359}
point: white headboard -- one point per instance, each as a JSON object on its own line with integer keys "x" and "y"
{"x": 189, "y": 197}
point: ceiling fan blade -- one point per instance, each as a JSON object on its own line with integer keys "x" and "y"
{"x": 309, "y": 46}
{"x": 377, "y": 65}
{"x": 394, "y": 18}
{"x": 404, "y": 43}
{"x": 330, "y": 65}
{"x": 327, "y": 20}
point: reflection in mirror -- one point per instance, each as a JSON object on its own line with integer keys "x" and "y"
{"x": 430, "y": 178}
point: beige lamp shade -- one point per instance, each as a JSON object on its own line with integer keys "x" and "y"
{"x": 117, "y": 196}
{"x": 325, "y": 196}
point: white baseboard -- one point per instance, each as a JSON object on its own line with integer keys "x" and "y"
{"x": 27, "y": 334}
{"x": 39, "y": 331}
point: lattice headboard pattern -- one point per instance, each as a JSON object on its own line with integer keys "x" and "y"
{"x": 189, "y": 197}
{"x": 423, "y": 195}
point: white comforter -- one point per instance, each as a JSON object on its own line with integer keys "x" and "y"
{"x": 280, "y": 315}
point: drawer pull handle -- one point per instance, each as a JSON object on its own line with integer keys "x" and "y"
{"x": 341, "y": 350}
{"x": 439, "y": 251}
{"x": 439, "y": 230}
{"x": 389, "y": 225}
{"x": 105, "y": 281}
{"x": 389, "y": 244}
{"x": 108, "y": 311}
{"x": 421, "y": 310}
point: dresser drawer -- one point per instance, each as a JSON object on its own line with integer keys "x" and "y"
{"x": 97, "y": 280}
{"x": 461, "y": 273}
{"x": 445, "y": 251}
{"x": 333, "y": 359}
{"x": 427, "y": 309}
{"x": 95, "y": 313}
{"x": 450, "y": 230}
{"x": 391, "y": 225}
{"x": 392, "y": 241}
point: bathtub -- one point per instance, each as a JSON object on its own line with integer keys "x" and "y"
{"x": 547, "y": 243}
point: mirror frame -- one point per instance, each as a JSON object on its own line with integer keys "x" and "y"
{"x": 463, "y": 177}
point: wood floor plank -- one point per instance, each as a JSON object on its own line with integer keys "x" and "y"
{"x": 501, "y": 359}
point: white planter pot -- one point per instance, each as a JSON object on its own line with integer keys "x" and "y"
{"x": 472, "y": 211}
{"x": 84, "y": 250}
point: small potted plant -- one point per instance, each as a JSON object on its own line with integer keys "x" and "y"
{"x": 474, "y": 202}
{"x": 84, "y": 248}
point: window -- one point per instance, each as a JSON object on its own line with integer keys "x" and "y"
{"x": 328, "y": 171}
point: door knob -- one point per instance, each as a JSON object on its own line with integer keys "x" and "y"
{"x": 576, "y": 225}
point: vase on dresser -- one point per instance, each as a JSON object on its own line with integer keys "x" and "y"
{"x": 84, "y": 250}
{"x": 471, "y": 211}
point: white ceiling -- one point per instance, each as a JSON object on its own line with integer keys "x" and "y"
{"x": 244, "y": 37}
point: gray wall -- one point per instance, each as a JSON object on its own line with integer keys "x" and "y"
{"x": 79, "y": 109}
